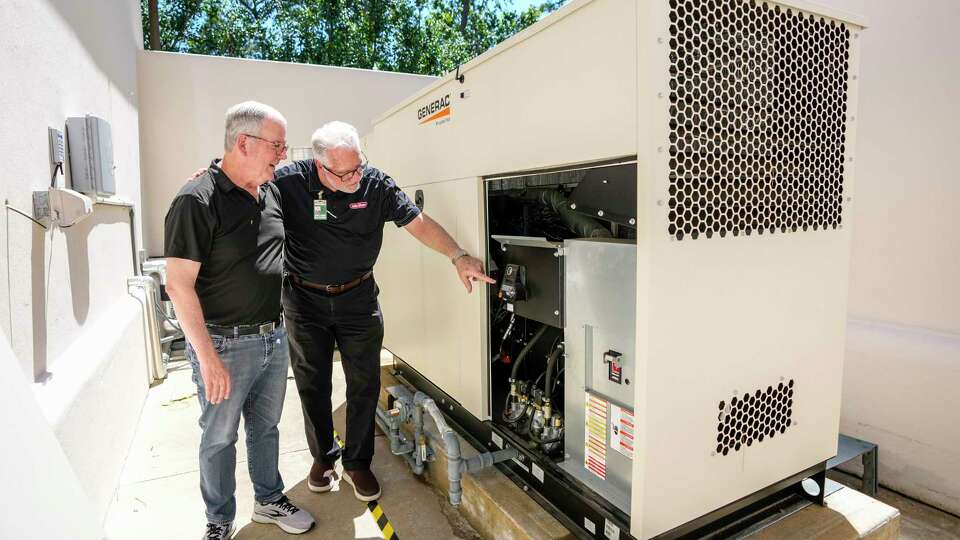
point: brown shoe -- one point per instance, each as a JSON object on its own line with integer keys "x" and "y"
{"x": 322, "y": 476}
{"x": 365, "y": 485}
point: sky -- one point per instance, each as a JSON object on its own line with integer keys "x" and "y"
{"x": 520, "y": 5}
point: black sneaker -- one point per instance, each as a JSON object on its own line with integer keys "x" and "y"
{"x": 365, "y": 485}
{"x": 217, "y": 531}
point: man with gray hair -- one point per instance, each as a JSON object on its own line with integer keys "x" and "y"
{"x": 223, "y": 242}
{"x": 334, "y": 209}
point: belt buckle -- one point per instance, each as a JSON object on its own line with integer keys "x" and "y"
{"x": 331, "y": 289}
{"x": 268, "y": 327}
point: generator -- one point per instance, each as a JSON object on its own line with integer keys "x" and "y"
{"x": 663, "y": 191}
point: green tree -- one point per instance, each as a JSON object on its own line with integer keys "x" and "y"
{"x": 414, "y": 36}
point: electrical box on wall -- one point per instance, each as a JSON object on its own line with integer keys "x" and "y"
{"x": 90, "y": 150}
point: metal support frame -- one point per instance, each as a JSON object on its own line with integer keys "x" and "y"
{"x": 849, "y": 448}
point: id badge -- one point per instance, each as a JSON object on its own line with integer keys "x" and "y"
{"x": 319, "y": 210}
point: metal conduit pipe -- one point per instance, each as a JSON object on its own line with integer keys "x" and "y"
{"x": 450, "y": 443}
{"x": 391, "y": 426}
{"x": 398, "y": 446}
{"x": 410, "y": 408}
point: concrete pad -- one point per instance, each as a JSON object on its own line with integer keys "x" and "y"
{"x": 495, "y": 506}
{"x": 918, "y": 521}
{"x": 848, "y": 515}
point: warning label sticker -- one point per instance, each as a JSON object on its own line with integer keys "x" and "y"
{"x": 622, "y": 430}
{"x": 595, "y": 435}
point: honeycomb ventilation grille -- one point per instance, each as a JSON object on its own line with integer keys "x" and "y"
{"x": 758, "y": 103}
{"x": 754, "y": 417}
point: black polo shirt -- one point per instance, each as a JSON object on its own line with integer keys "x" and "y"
{"x": 238, "y": 242}
{"x": 346, "y": 244}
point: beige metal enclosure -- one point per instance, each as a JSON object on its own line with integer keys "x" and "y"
{"x": 739, "y": 116}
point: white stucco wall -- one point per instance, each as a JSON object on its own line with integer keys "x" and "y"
{"x": 183, "y": 99}
{"x": 64, "y": 306}
{"x": 902, "y": 370}
{"x": 34, "y": 458}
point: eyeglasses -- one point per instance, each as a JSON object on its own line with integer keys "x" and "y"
{"x": 278, "y": 147}
{"x": 343, "y": 177}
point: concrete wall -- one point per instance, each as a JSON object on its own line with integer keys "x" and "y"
{"x": 183, "y": 99}
{"x": 902, "y": 370}
{"x": 64, "y": 305}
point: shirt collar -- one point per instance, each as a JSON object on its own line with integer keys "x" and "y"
{"x": 220, "y": 178}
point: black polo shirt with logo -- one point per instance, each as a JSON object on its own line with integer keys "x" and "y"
{"x": 238, "y": 242}
{"x": 344, "y": 245}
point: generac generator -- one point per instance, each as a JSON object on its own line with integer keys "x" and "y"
{"x": 663, "y": 191}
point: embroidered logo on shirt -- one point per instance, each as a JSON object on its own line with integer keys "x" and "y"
{"x": 358, "y": 205}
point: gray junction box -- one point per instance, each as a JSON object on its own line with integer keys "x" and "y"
{"x": 91, "y": 155}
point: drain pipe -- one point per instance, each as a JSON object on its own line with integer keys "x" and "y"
{"x": 456, "y": 465}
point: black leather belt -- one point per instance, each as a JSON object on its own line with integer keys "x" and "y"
{"x": 246, "y": 329}
{"x": 331, "y": 289}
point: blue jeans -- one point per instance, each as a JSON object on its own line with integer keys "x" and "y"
{"x": 258, "y": 384}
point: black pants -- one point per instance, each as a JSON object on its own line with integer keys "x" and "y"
{"x": 351, "y": 320}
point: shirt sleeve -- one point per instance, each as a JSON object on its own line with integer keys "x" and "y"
{"x": 188, "y": 229}
{"x": 398, "y": 207}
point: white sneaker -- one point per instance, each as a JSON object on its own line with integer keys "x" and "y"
{"x": 284, "y": 514}
{"x": 216, "y": 531}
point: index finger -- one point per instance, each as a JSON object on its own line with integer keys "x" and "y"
{"x": 482, "y": 277}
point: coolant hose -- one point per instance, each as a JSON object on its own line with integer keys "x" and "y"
{"x": 583, "y": 226}
{"x": 551, "y": 367}
{"x": 525, "y": 351}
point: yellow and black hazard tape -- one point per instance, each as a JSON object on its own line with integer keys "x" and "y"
{"x": 374, "y": 507}
{"x": 382, "y": 522}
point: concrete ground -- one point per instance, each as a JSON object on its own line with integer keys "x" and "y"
{"x": 918, "y": 521}
{"x": 159, "y": 493}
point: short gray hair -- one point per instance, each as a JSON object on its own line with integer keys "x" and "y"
{"x": 335, "y": 134}
{"x": 248, "y": 117}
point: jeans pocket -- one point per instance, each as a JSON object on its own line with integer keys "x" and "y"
{"x": 219, "y": 343}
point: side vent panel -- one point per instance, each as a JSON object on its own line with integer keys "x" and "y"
{"x": 754, "y": 417}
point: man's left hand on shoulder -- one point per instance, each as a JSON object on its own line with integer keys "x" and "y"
{"x": 470, "y": 269}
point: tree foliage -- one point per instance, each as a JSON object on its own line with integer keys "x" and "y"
{"x": 414, "y": 36}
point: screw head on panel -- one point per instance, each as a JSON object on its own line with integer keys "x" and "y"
{"x": 600, "y": 213}
{"x": 660, "y": 202}
{"x": 632, "y": 221}
{"x": 659, "y": 40}
{"x": 573, "y": 206}
{"x": 556, "y": 312}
